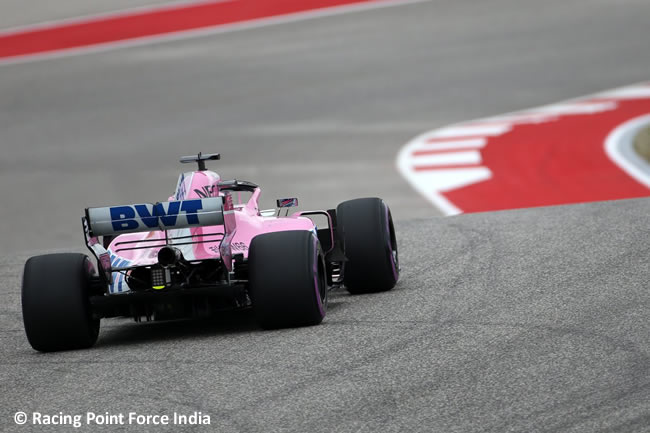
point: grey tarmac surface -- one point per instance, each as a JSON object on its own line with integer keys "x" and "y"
{"x": 532, "y": 320}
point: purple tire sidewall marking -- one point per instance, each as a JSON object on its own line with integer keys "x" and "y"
{"x": 319, "y": 301}
{"x": 390, "y": 243}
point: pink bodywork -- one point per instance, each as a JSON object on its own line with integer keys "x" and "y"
{"x": 243, "y": 220}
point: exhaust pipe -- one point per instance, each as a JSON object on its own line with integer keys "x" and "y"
{"x": 169, "y": 256}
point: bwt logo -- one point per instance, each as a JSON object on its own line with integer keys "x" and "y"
{"x": 128, "y": 217}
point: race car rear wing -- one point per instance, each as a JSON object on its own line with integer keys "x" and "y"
{"x": 117, "y": 220}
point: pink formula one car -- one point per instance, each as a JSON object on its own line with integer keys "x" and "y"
{"x": 205, "y": 251}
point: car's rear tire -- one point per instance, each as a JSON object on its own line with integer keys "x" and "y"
{"x": 287, "y": 280}
{"x": 366, "y": 226}
{"x": 56, "y": 306}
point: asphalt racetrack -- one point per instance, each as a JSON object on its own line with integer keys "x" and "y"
{"x": 528, "y": 320}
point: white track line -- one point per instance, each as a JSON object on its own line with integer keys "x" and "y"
{"x": 449, "y": 158}
{"x": 632, "y": 92}
{"x": 456, "y": 144}
{"x": 576, "y": 108}
{"x": 477, "y": 131}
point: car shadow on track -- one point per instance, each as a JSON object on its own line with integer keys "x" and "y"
{"x": 124, "y": 332}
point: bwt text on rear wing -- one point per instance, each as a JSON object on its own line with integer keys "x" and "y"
{"x": 116, "y": 220}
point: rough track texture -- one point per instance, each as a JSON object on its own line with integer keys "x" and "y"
{"x": 532, "y": 320}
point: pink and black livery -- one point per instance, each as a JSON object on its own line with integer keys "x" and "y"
{"x": 203, "y": 251}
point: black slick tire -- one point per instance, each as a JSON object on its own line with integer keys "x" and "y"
{"x": 55, "y": 302}
{"x": 287, "y": 280}
{"x": 366, "y": 227}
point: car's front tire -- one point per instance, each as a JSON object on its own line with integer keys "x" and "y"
{"x": 287, "y": 280}
{"x": 366, "y": 226}
{"x": 56, "y": 306}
